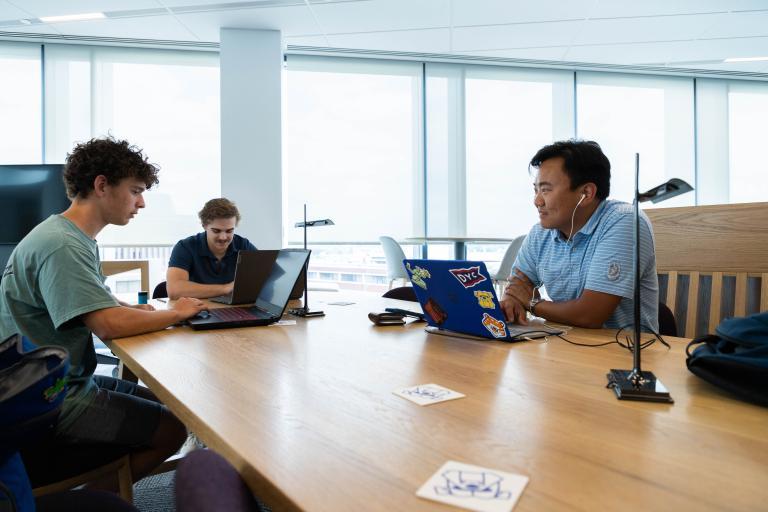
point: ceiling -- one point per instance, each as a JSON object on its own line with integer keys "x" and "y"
{"x": 696, "y": 34}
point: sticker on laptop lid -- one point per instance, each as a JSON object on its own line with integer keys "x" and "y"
{"x": 468, "y": 277}
{"x": 433, "y": 309}
{"x": 418, "y": 275}
{"x": 485, "y": 299}
{"x": 497, "y": 328}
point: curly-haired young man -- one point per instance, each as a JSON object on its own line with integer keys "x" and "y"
{"x": 53, "y": 292}
{"x": 203, "y": 265}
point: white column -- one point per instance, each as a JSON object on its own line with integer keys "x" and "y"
{"x": 251, "y": 125}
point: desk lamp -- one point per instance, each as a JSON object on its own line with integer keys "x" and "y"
{"x": 304, "y": 310}
{"x": 636, "y": 384}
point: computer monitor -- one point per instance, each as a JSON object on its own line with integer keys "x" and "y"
{"x": 29, "y": 194}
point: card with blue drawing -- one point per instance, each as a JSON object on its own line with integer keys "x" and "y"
{"x": 474, "y": 487}
{"x": 427, "y": 394}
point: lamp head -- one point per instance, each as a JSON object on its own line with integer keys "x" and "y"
{"x": 313, "y": 223}
{"x": 668, "y": 190}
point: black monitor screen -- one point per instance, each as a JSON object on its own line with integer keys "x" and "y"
{"x": 29, "y": 194}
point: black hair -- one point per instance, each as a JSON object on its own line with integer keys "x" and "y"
{"x": 114, "y": 159}
{"x": 583, "y": 162}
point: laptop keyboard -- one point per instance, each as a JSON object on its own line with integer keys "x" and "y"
{"x": 230, "y": 314}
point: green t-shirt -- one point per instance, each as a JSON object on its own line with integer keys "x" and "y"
{"x": 52, "y": 278}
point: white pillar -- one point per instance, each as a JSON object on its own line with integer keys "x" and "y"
{"x": 251, "y": 127}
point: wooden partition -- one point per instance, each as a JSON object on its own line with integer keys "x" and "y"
{"x": 712, "y": 262}
{"x": 110, "y": 268}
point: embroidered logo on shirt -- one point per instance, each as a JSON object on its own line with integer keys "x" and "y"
{"x": 614, "y": 271}
{"x": 468, "y": 277}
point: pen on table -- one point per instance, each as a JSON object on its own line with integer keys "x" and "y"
{"x": 162, "y": 300}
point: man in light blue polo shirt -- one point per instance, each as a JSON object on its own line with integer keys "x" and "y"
{"x": 582, "y": 251}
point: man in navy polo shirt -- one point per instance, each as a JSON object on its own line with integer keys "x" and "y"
{"x": 203, "y": 265}
{"x": 582, "y": 249}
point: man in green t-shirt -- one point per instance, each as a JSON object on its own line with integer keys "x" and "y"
{"x": 53, "y": 292}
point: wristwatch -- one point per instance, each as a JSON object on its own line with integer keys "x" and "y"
{"x": 532, "y": 305}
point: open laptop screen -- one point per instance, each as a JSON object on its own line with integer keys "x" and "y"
{"x": 274, "y": 294}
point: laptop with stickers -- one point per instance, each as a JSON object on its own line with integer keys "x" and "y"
{"x": 458, "y": 299}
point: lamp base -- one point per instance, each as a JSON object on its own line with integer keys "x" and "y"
{"x": 649, "y": 389}
{"x": 304, "y": 312}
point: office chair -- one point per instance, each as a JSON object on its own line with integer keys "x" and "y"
{"x": 394, "y": 255}
{"x": 160, "y": 291}
{"x": 667, "y": 323}
{"x": 205, "y": 482}
{"x": 401, "y": 293}
{"x": 505, "y": 267}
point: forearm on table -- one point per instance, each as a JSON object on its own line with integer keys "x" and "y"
{"x": 186, "y": 288}
{"x": 119, "y": 322}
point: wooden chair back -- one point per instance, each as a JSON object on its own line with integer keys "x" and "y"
{"x": 712, "y": 262}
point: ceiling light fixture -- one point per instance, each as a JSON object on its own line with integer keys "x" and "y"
{"x": 73, "y": 17}
{"x": 745, "y": 59}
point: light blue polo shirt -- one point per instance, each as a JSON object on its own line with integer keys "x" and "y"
{"x": 599, "y": 258}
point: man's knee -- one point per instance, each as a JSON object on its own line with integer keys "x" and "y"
{"x": 170, "y": 432}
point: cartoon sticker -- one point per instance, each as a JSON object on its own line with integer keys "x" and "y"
{"x": 473, "y": 484}
{"x": 468, "y": 277}
{"x": 485, "y": 299}
{"x": 433, "y": 309}
{"x": 497, "y": 328}
{"x": 418, "y": 275}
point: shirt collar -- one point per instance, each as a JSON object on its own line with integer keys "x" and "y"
{"x": 588, "y": 228}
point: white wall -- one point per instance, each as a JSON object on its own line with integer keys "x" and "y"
{"x": 251, "y": 71}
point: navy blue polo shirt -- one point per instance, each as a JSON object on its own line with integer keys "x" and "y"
{"x": 193, "y": 255}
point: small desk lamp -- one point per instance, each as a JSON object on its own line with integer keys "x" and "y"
{"x": 304, "y": 310}
{"x": 636, "y": 384}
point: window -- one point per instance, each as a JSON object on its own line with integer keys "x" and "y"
{"x": 652, "y": 116}
{"x": 20, "y": 104}
{"x": 748, "y": 111}
{"x": 165, "y": 102}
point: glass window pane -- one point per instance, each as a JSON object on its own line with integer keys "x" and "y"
{"x": 748, "y": 110}
{"x": 652, "y": 116}
{"x": 20, "y": 104}
{"x": 510, "y": 114}
{"x": 351, "y": 148}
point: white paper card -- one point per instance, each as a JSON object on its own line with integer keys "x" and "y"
{"x": 427, "y": 394}
{"x": 284, "y": 322}
{"x": 474, "y": 488}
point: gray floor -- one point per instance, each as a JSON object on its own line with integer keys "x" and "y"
{"x": 155, "y": 493}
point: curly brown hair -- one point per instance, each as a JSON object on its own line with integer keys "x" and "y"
{"x": 219, "y": 208}
{"x": 114, "y": 159}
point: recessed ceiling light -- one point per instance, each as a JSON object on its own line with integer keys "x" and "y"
{"x": 25, "y": 21}
{"x": 73, "y": 17}
{"x": 745, "y": 59}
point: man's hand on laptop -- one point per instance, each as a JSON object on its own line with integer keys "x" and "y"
{"x": 517, "y": 296}
{"x": 188, "y": 307}
{"x": 514, "y": 310}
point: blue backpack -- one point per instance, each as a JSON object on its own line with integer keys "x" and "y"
{"x": 33, "y": 383}
{"x": 735, "y": 358}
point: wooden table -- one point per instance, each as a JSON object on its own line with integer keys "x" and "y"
{"x": 459, "y": 242}
{"x": 307, "y": 415}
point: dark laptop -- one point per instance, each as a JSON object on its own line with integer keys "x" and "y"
{"x": 270, "y": 303}
{"x": 251, "y": 272}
